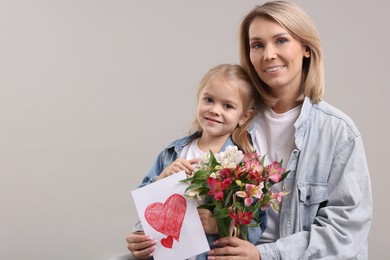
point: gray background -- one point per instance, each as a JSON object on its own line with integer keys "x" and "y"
{"x": 91, "y": 91}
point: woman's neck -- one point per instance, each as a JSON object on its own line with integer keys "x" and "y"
{"x": 283, "y": 106}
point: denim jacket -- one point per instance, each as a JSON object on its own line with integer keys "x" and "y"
{"x": 169, "y": 155}
{"x": 327, "y": 213}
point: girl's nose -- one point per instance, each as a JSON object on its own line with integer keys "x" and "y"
{"x": 215, "y": 110}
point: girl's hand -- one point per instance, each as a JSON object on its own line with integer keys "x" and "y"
{"x": 178, "y": 165}
{"x": 141, "y": 246}
{"x": 230, "y": 248}
{"x": 209, "y": 223}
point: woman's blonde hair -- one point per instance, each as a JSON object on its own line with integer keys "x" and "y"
{"x": 235, "y": 76}
{"x": 301, "y": 27}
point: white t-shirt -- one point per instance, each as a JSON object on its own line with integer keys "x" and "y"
{"x": 274, "y": 136}
{"x": 189, "y": 152}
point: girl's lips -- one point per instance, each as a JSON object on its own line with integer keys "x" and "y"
{"x": 212, "y": 120}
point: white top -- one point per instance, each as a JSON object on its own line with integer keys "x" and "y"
{"x": 274, "y": 136}
{"x": 189, "y": 152}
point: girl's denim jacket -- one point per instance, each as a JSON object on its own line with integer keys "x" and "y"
{"x": 327, "y": 212}
{"x": 169, "y": 155}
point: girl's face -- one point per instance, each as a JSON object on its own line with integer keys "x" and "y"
{"x": 276, "y": 56}
{"x": 220, "y": 108}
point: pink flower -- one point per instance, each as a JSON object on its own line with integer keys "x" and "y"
{"x": 252, "y": 191}
{"x": 238, "y": 172}
{"x": 243, "y": 218}
{"x": 274, "y": 172}
{"x": 217, "y": 187}
{"x": 255, "y": 170}
{"x": 250, "y": 157}
{"x": 278, "y": 196}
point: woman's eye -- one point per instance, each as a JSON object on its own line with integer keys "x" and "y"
{"x": 281, "y": 41}
{"x": 256, "y": 45}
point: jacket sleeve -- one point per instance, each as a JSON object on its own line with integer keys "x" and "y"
{"x": 155, "y": 170}
{"x": 342, "y": 224}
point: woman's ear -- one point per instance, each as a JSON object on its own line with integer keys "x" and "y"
{"x": 307, "y": 52}
{"x": 245, "y": 117}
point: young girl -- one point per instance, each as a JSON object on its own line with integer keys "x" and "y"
{"x": 225, "y": 105}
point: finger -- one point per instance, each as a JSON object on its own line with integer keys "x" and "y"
{"x": 137, "y": 237}
{"x": 223, "y": 252}
{"x": 193, "y": 161}
{"x": 145, "y": 253}
{"x": 227, "y": 241}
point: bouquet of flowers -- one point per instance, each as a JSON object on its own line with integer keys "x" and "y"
{"x": 235, "y": 186}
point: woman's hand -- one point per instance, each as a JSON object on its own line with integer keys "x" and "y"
{"x": 140, "y": 246}
{"x": 209, "y": 223}
{"x": 178, "y": 165}
{"x": 233, "y": 248}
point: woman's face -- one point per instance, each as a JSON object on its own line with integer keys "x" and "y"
{"x": 277, "y": 57}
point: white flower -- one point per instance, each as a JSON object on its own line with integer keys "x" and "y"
{"x": 213, "y": 175}
{"x": 230, "y": 157}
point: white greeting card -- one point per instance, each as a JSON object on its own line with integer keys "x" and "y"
{"x": 170, "y": 218}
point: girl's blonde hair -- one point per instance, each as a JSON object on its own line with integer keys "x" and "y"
{"x": 236, "y": 76}
{"x": 301, "y": 27}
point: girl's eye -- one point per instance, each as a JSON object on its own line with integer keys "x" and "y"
{"x": 228, "y": 106}
{"x": 208, "y": 100}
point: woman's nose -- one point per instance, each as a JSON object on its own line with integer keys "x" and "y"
{"x": 269, "y": 53}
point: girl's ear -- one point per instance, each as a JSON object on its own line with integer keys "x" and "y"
{"x": 245, "y": 117}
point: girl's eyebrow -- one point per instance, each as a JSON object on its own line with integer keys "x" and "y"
{"x": 273, "y": 37}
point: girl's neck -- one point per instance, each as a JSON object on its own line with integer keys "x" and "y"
{"x": 213, "y": 143}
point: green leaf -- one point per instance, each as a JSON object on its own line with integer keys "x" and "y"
{"x": 284, "y": 175}
{"x": 221, "y": 213}
{"x": 200, "y": 175}
{"x": 228, "y": 197}
{"x": 223, "y": 226}
{"x": 244, "y": 231}
{"x": 212, "y": 162}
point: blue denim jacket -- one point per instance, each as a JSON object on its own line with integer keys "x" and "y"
{"x": 327, "y": 213}
{"x": 170, "y": 154}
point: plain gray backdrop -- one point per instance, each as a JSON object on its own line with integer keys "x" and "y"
{"x": 92, "y": 90}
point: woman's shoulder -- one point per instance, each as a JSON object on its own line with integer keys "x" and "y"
{"x": 332, "y": 115}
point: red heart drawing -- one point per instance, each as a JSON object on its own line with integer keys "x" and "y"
{"x": 167, "y": 218}
{"x": 167, "y": 242}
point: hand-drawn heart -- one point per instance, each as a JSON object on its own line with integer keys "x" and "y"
{"x": 167, "y": 218}
{"x": 167, "y": 242}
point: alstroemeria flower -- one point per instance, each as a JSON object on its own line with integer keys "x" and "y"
{"x": 274, "y": 172}
{"x": 252, "y": 191}
{"x": 254, "y": 169}
{"x": 243, "y": 218}
{"x": 225, "y": 173}
{"x": 278, "y": 196}
{"x": 217, "y": 187}
{"x": 250, "y": 156}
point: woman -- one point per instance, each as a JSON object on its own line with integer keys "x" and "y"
{"x": 328, "y": 210}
